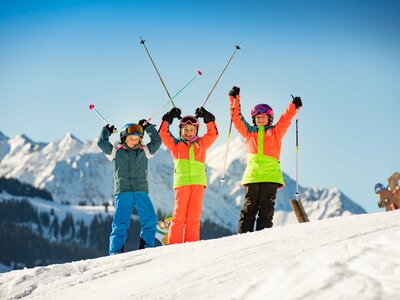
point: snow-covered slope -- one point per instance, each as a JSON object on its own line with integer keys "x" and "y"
{"x": 351, "y": 257}
{"x": 77, "y": 172}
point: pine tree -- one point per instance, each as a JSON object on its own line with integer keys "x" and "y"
{"x": 55, "y": 227}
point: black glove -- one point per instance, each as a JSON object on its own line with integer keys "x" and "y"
{"x": 199, "y": 113}
{"x": 110, "y": 128}
{"x": 208, "y": 117}
{"x": 297, "y": 102}
{"x": 234, "y": 91}
{"x": 144, "y": 124}
{"x": 173, "y": 113}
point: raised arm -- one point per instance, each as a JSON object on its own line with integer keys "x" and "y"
{"x": 212, "y": 132}
{"x": 284, "y": 121}
{"x": 238, "y": 120}
{"x": 166, "y": 136}
{"x": 155, "y": 139}
{"x": 103, "y": 141}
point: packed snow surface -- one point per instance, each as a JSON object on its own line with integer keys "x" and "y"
{"x": 348, "y": 257}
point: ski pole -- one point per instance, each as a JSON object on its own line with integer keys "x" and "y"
{"x": 142, "y": 41}
{"x": 297, "y": 155}
{"x": 91, "y": 107}
{"x": 236, "y": 49}
{"x": 222, "y": 180}
{"x": 296, "y": 204}
{"x": 199, "y": 73}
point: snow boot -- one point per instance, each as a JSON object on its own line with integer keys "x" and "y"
{"x": 142, "y": 244}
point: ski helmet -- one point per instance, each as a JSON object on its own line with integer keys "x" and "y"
{"x": 265, "y": 109}
{"x": 189, "y": 120}
{"x": 167, "y": 220}
{"x": 131, "y": 129}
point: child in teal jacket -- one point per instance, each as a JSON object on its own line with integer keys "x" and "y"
{"x": 131, "y": 188}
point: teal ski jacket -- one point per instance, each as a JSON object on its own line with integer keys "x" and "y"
{"x": 130, "y": 164}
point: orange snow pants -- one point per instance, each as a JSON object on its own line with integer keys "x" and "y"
{"x": 185, "y": 225}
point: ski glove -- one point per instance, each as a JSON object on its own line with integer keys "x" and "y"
{"x": 110, "y": 128}
{"x": 173, "y": 113}
{"x": 297, "y": 101}
{"x": 201, "y": 112}
{"x": 144, "y": 124}
{"x": 234, "y": 91}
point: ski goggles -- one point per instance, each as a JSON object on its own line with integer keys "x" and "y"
{"x": 189, "y": 120}
{"x": 133, "y": 129}
{"x": 261, "y": 110}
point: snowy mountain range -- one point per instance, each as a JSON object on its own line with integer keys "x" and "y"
{"x": 76, "y": 172}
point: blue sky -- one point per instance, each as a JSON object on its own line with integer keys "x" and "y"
{"x": 341, "y": 57}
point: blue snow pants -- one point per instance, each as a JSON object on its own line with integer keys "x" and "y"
{"x": 125, "y": 202}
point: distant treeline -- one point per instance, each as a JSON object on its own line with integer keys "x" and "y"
{"x": 29, "y": 237}
{"x": 17, "y": 188}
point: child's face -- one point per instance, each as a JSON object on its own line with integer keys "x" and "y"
{"x": 132, "y": 140}
{"x": 188, "y": 131}
{"x": 262, "y": 120}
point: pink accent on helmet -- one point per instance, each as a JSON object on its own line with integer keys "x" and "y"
{"x": 260, "y": 109}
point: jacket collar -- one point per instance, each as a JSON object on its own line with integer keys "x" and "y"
{"x": 126, "y": 148}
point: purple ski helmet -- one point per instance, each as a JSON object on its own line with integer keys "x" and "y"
{"x": 260, "y": 109}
